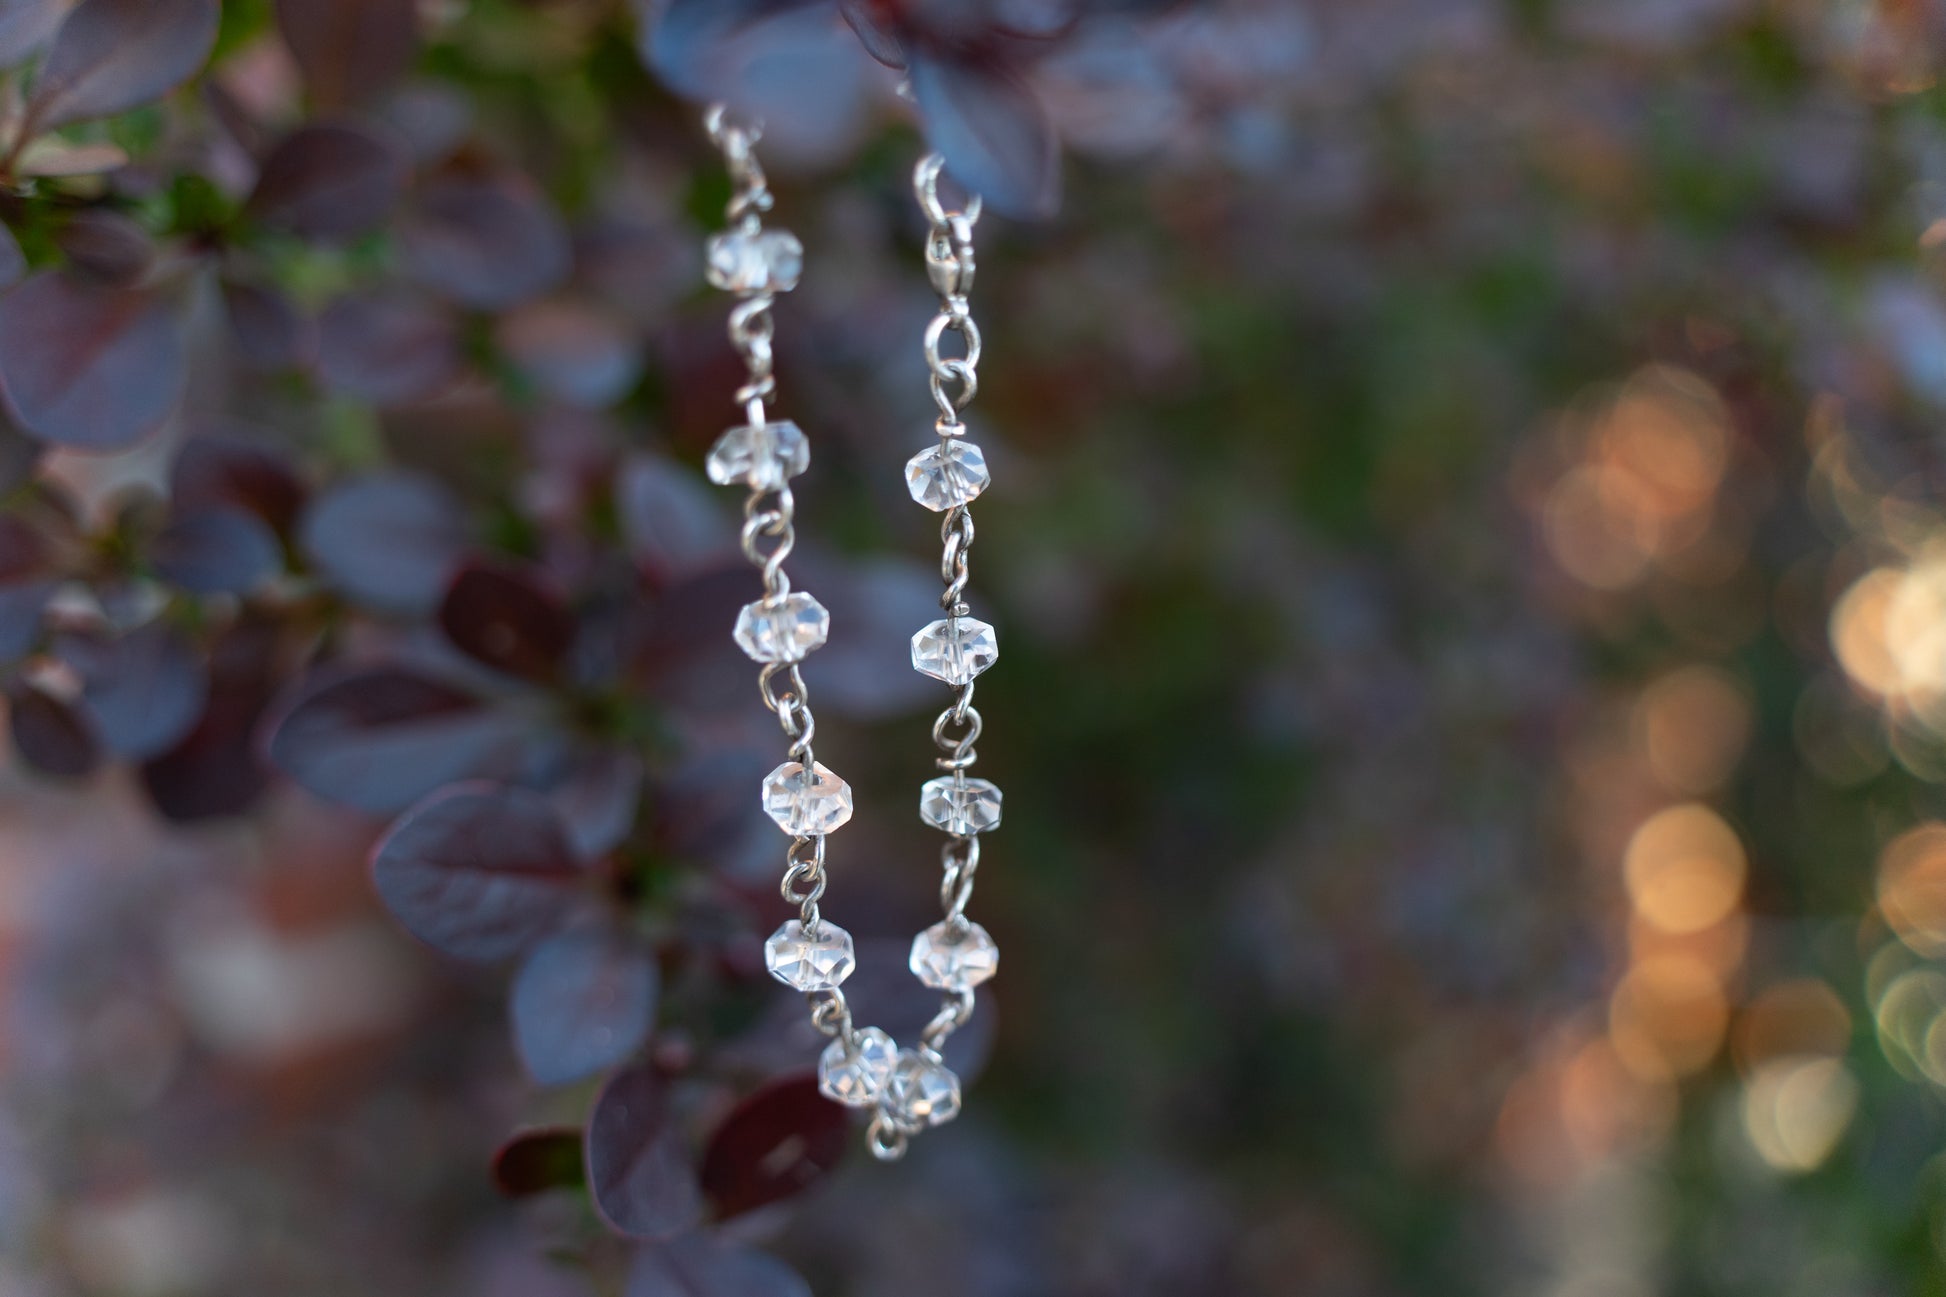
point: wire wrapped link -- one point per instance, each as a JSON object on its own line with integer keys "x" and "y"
{"x": 954, "y": 382}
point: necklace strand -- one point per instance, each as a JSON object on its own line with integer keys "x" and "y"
{"x": 908, "y": 1089}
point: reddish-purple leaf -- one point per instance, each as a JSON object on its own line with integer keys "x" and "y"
{"x": 776, "y": 1143}
{"x": 573, "y": 352}
{"x": 328, "y": 181}
{"x": 266, "y": 331}
{"x": 89, "y": 367}
{"x": 222, "y": 469}
{"x": 216, "y": 769}
{"x": 536, "y": 1161}
{"x": 390, "y": 541}
{"x": 477, "y": 871}
{"x": 114, "y": 55}
{"x": 582, "y": 1003}
{"x": 485, "y": 243}
{"x": 216, "y": 551}
{"x": 639, "y": 1171}
{"x": 389, "y": 347}
{"x": 673, "y": 524}
{"x": 26, "y": 25}
{"x": 511, "y": 620}
{"x": 676, "y": 657}
{"x": 107, "y": 247}
{"x": 697, "y": 1265}
{"x": 380, "y": 739}
{"x": 143, "y": 691}
{"x": 994, "y": 134}
{"x": 596, "y": 793}
{"x": 50, "y": 735}
{"x": 349, "y": 50}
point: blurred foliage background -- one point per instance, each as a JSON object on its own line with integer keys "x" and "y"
{"x": 1468, "y": 540}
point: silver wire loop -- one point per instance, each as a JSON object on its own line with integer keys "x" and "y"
{"x": 887, "y": 1142}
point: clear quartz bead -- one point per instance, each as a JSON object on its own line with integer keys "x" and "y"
{"x": 948, "y": 475}
{"x": 782, "y": 630}
{"x": 761, "y": 456}
{"x": 955, "y": 649}
{"x": 854, "y": 1072}
{"x": 954, "y": 956}
{"x": 807, "y": 960}
{"x": 755, "y": 261}
{"x": 920, "y": 1092}
{"x": 806, "y": 803}
{"x": 960, "y": 806}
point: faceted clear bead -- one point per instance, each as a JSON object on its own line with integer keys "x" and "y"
{"x": 810, "y": 961}
{"x": 806, "y": 803}
{"x": 854, "y": 1073}
{"x": 761, "y": 261}
{"x": 955, "y": 649}
{"x": 760, "y": 456}
{"x": 782, "y": 630}
{"x": 960, "y": 806}
{"x": 920, "y": 1092}
{"x": 953, "y": 956}
{"x": 947, "y": 475}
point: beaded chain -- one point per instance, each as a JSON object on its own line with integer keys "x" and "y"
{"x": 907, "y": 1089}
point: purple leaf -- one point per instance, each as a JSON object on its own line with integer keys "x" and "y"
{"x": 877, "y": 35}
{"x": 114, "y": 55}
{"x": 683, "y": 40}
{"x": 51, "y": 736}
{"x": 583, "y": 1002}
{"x": 485, "y": 243}
{"x": 700, "y": 814}
{"x": 220, "y": 469}
{"x": 391, "y": 541}
{"x": 349, "y": 50}
{"x": 673, "y": 524}
{"x": 574, "y": 353}
{"x": 329, "y": 181}
{"x": 216, "y": 770}
{"x": 536, "y": 1161}
{"x": 27, "y": 581}
{"x": 26, "y": 25}
{"x": 143, "y": 691}
{"x": 380, "y": 739}
{"x": 216, "y": 551}
{"x": 89, "y": 367}
{"x": 596, "y": 793}
{"x": 13, "y": 262}
{"x": 774, "y": 1144}
{"x": 266, "y": 331}
{"x": 477, "y": 871}
{"x": 638, "y": 1169}
{"x": 994, "y": 134}
{"x": 389, "y": 347}
{"x": 510, "y": 620}
{"x": 865, "y": 668}
{"x": 107, "y": 247}
{"x": 697, "y": 1265}
{"x": 20, "y": 455}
